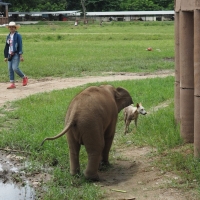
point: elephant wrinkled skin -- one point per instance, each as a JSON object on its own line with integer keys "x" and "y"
{"x": 91, "y": 121}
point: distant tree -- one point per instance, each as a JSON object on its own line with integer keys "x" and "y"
{"x": 147, "y": 5}
{"x": 37, "y": 5}
{"x": 170, "y": 6}
{"x": 91, "y": 5}
{"x": 73, "y": 5}
{"x": 84, "y": 8}
{"x": 103, "y": 5}
{"x": 138, "y": 5}
{"x": 163, "y": 3}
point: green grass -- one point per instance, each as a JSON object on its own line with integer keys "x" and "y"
{"x": 62, "y": 50}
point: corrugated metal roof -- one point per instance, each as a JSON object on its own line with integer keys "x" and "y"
{"x": 111, "y": 13}
{"x": 170, "y": 12}
{"x": 53, "y": 12}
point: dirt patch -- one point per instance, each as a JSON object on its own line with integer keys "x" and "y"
{"x": 132, "y": 176}
{"x": 135, "y": 177}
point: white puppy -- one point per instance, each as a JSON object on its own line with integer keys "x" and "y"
{"x": 132, "y": 113}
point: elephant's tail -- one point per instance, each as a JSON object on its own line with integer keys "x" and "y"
{"x": 59, "y": 135}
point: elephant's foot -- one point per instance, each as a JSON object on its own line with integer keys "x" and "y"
{"x": 91, "y": 177}
{"x": 74, "y": 172}
{"x": 104, "y": 165}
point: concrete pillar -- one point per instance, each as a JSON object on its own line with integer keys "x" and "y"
{"x": 177, "y": 71}
{"x": 197, "y": 83}
{"x": 186, "y": 75}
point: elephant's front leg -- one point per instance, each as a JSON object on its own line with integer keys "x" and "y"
{"x": 74, "y": 148}
{"x": 106, "y": 150}
{"x": 108, "y": 139}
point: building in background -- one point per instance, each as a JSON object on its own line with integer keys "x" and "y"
{"x": 3, "y": 12}
{"x": 93, "y": 16}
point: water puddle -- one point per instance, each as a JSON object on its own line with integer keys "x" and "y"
{"x": 13, "y": 183}
{"x": 10, "y": 191}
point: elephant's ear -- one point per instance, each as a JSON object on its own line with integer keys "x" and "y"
{"x": 122, "y": 98}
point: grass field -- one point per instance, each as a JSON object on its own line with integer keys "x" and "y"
{"x": 62, "y": 50}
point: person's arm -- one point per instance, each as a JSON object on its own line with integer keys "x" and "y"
{"x": 19, "y": 41}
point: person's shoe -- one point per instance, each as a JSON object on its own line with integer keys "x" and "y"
{"x": 12, "y": 86}
{"x": 25, "y": 81}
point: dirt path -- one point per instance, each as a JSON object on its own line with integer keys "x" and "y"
{"x": 131, "y": 178}
{"x": 49, "y": 84}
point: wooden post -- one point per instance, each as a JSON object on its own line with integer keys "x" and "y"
{"x": 177, "y": 71}
{"x": 197, "y": 83}
{"x": 187, "y": 76}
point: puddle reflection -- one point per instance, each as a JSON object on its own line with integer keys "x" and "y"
{"x": 13, "y": 192}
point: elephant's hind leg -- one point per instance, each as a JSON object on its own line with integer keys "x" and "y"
{"x": 94, "y": 147}
{"x": 74, "y": 148}
{"x": 91, "y": 171}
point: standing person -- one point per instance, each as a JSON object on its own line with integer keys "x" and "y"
{"x": 13, "y": 54}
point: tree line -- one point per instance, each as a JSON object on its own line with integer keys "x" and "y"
{"x": 90, "y": 5}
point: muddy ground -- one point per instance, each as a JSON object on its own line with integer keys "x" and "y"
{"x": 132, "y": 178}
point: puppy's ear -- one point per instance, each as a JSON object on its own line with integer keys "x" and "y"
{"x": 138, "y": 105}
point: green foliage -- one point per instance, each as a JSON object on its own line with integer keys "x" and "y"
{"x": 103, "y": 5}
{"x": 128, "y": 5}
{"x": 138, "y": 5}
{"x": 73, "y": 5}
{"x": 37, "y": 5}
{"x": 91, "y": 5}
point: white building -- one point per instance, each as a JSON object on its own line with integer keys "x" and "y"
{"x": 96, "y": 16}
{"x": 132, "y": 15}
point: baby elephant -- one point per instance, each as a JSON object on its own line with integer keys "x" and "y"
{"x": 91, "y": 121}
{"x": 132, "y": 113}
